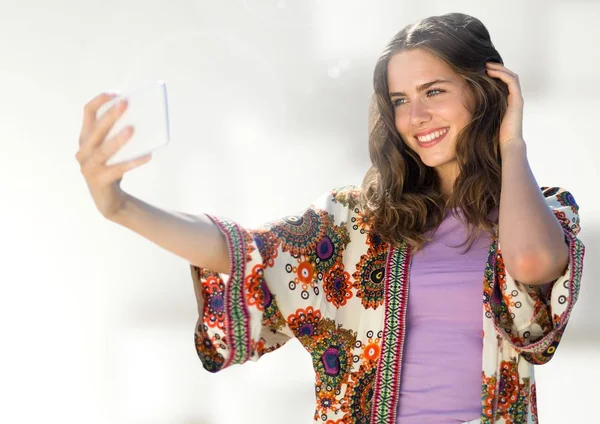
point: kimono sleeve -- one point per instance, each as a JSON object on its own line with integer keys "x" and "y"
{"x": 533, "y": 318}
{"x": 242, "y": 316}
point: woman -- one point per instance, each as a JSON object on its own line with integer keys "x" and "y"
{"x": 449, "y": 171}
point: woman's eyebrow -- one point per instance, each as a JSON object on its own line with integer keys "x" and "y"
{"x": 421, "y": 87}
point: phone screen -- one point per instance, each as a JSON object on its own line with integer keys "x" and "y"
{"x": 147, "y": 113}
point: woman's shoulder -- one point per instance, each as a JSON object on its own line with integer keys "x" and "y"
{"x": 341, "y": 203}
{"x": 347, "y": 195}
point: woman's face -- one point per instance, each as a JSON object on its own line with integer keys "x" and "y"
{"x": 432, "y": 104}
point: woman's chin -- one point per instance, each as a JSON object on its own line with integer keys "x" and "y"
{"x": 437, "y": 162}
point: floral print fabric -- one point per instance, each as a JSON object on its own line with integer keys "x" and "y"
{"x": 324, "y": 278}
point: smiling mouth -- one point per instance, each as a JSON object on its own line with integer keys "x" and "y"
{"x": 432, "y": 137}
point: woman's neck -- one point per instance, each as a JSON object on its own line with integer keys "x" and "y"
{"x": 447, "y": 175}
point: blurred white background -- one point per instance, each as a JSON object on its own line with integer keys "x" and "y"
{"x": 268, "y": 102}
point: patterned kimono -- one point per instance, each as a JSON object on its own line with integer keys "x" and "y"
{"x": 325, "y": 278}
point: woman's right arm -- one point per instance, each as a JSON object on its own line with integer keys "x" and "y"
{"x": 194, "y": 238}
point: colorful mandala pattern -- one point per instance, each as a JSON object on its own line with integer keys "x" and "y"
{"x": 369, "y": 278}
{"x": 262, "y": 347}
{"x": 330, "y": 248}
{"x": 304, "y": 323}
{"x": 544, "y": 356}
{"x": 321, "y": 264}
{"x": 206, "y": 349}
{"x": 299, "y": 234}
{"x": 331, "y": 350}
{"x": 255, "y": 287}
{"x": 272, "y": 316}
{"x": 512, "y": 400}
{"x": 497, "y": 302}
{"x": 513, "y": 396}
{"x": 375, "y": 242}
{"x": 337, "y": 285}
{"x": 214, "y": 301}
{"x": 488, "y": 394}
{"x": 566, "y": 222}
{"x": 360, "y": 222}
{"x": 370, "y": 350}
{"x": 358, "y": 399}
{"x": 566, "y": 199}
{"x": 268, "y": 245}
{"x": 303, "y": 275}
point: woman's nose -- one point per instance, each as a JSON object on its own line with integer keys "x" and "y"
{"x": 419, "y": 113}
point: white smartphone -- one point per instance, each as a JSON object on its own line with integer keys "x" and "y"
{"x": 147, "y": 112}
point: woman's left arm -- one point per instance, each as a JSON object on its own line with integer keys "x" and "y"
{"x": 532, "y": 239}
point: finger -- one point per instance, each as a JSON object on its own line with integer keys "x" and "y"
{"x": 505, "y": 76}
{"x": 110, "y": 147}
{"x": 116, "y": 172}
{"x": 89, "y": 113}
{"x": 514, "y": 87}
{"x": 97, "y": 159}
{"x": 101, "y": 128}
{"x": 495, "y": 64}
{"x": 500, "y": 67}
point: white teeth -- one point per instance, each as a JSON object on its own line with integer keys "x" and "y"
{"x": 432, "y": 136}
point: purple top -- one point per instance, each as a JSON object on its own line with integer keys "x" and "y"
{"x": 441, "y": 368}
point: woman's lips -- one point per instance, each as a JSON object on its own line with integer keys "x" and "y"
{"x": 433, "y": 142}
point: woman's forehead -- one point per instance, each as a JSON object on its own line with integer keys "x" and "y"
{"x": 410, "y": 69}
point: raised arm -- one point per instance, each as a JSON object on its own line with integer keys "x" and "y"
{"x": 194, "y": 238}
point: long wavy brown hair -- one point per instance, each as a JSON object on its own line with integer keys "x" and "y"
{"x": 400, "y": 195}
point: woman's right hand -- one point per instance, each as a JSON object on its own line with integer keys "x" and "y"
{"x": 104, "y": 181}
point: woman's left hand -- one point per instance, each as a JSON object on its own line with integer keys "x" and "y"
{"x": 511, "y": 128}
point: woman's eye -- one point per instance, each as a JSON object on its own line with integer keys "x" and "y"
{"x": 430, "y": 93}
{"x": 435, "y": 90}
